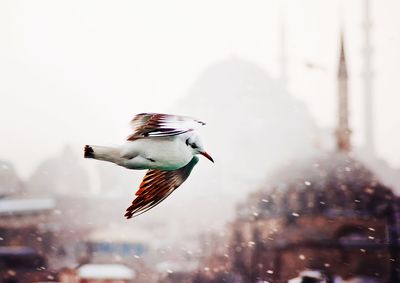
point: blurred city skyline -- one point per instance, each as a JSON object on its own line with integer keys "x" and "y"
{"x": 297, "y": 186}
{"x": 70, "y": 80}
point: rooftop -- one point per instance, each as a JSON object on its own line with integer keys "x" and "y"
{"x": 25, "y": 206}
{"x": 105, "y": 271}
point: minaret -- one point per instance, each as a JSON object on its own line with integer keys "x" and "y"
{"x": 283, "y": 52}
{"x": 342, "y": 131}
{"x": 367, "y": 78}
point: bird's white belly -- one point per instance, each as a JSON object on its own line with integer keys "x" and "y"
{"x": 164, "y": 153}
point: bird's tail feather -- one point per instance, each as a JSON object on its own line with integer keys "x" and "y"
{"x": 105, "y": 153}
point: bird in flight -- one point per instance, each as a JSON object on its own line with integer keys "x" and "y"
{"x": 164, "y": 144}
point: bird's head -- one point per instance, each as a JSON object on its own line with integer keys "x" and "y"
{"x": 196, "y": 147}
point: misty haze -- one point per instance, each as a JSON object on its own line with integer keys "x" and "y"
{"x": 300, "y": 104}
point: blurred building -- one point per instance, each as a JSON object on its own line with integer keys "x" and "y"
{"x": 10, "y": 183}
{"x": 23, "y": 264}
{"x": 328, "y": 214}
{"x": 24, "y": 222}
{"x": 59, "y": 176}
{"x": 106, "y": 245}
{"x": 38, "y": 225}
{"x": 26, "y": 240}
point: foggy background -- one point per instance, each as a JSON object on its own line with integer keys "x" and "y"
{"x": 76, "y": 72}
{"x": 261, "y": 74}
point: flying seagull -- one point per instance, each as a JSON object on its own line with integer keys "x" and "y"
{"x": 164, "y": 144}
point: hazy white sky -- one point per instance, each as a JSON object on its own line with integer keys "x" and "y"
{"x": 77, "y": 71}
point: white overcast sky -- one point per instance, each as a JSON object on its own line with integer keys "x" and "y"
{"x": 75, "y": 72}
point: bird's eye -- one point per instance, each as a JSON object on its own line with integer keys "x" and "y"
{"x": 193, "y": 145}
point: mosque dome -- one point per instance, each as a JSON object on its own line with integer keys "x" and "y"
{"x": 332, "y": 184}
{"x": 250, "y": 117}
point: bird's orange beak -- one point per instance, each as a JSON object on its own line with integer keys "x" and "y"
{"x": 206, "y": 155}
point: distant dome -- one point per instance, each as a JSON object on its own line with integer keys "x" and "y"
{"x": 246, "y": 109}
{"x": 237, "y": 84}
{"x": 333, "y": 184}
{"x": 59, "y": 175}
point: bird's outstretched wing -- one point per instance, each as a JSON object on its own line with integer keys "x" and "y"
{"x": 156, "y": 186}
{"x": 161, "y": 125}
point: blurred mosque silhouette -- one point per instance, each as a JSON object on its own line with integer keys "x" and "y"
{"x": 324, "y": 218}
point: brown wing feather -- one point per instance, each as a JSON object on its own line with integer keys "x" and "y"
{"x": 155, "y": 124}
{"x": 156, "y": 186}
